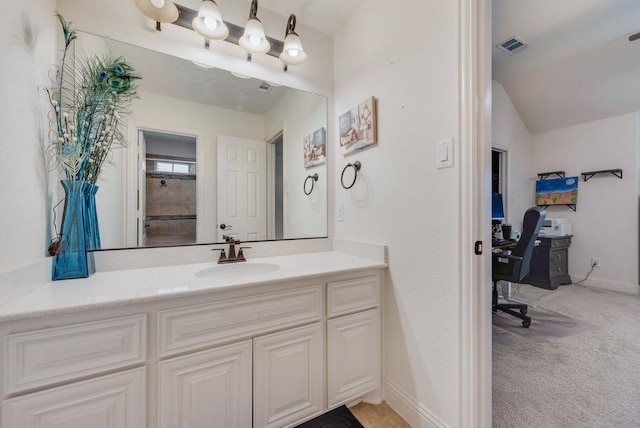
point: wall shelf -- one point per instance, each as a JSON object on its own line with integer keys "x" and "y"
{"x": 545, "y": 175}
{"x": 571, "y": 206}
{"x": 587, "y": 175}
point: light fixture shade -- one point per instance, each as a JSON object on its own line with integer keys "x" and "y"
{"x": 253, "y": 32}
{"x": 293, "y": 53}
{"x": 158, "y": 10}
{"x": 209, "y": 23}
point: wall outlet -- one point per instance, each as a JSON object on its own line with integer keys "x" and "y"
{"x": 595, "y": 261}
{"x": 340, "y": 212}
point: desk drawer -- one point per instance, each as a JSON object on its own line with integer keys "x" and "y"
{"x": 558, "y": 263}
{"x": 560, "y": 242}
{"x": 200, "y": 326}
{"x": 44, "y": 357}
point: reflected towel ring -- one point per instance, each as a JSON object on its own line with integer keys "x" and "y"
{"x": 356, "y": 167}
{"x": 313, "y": 178}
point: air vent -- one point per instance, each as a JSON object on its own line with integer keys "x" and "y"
{"x": 512, "y": 45}
{"x": 264, "y": 87}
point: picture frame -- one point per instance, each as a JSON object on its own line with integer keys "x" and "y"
{"x": 358, "y": 127}
{"x": 315, "y": 148}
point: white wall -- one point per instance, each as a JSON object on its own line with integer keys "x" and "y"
{"x": 28, "y": 32}
{"x": 406, "y": 54}
{"x": 605, "y": 224}
{"x": 300, "y": 114}
{"x": 510, "y": 133}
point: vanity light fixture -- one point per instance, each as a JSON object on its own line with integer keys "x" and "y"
{"x": 158, "y": 10}
{"x": 292, "y": 53}
{"x": 254, "y": 40}
{"x": 209, "y": 23}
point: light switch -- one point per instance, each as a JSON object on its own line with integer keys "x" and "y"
{"x": 444, "y": 154}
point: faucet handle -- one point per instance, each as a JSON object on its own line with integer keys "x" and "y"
{"x": 223, "y": 255}
{"x": 240, "y": 253}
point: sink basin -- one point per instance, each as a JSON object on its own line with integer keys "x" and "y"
{"x": 239, "y": 270}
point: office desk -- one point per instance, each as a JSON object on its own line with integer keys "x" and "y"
{"x": 506, "y": 245}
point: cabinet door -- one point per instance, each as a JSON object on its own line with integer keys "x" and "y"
{"x": 288, "y": 376}
{"x": 207, "y": 389}
{"x": 114, "y": 401}
{"x": 353, "y": 356}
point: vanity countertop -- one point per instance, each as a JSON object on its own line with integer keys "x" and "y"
{"x": 116, "y": 288}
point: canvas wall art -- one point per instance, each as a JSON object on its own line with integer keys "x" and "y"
{"x": 315, "y": 148}
{"x": 557, "y": 191}
{"x": 358, "y": 127}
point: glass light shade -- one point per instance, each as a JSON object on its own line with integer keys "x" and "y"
{"x": 158, "y": 10}
{"x": 293, "y": 53}
{"x": 209, "y": 23}
{"x": 253, "y": 40}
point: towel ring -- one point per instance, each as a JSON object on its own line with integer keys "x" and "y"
{"x": 313, "y": 178}
{"x": 356, "y": 167}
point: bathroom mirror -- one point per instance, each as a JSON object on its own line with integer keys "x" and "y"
{"x": 211, "y": 155}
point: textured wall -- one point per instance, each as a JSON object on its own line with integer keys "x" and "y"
{"x": 401, "y": 199}
{"x": 28, "y": 35}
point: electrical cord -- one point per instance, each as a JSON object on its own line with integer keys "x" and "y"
{"x": 593, "y": 265}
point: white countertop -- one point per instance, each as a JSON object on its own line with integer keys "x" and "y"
{"x": 116, "y": 288}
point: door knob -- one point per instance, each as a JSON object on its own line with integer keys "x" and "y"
{"x": 225, "y": 226}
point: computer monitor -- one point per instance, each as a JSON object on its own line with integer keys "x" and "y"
{"x": 497, "y": 209}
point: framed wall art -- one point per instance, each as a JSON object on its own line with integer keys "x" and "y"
{"x": 315, "y": 148}
{"x": 359, "y": 127}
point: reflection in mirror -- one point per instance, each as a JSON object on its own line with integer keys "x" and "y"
{"x": 211, "y": 155}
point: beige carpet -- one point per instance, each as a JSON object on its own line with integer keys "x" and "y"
{"x": 584, "y": 375}
{"x": 546, "y": 325}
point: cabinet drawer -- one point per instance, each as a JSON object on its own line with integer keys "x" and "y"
{"x": 354, "y": 295}
{"x": 558, "y": 262}
{"x": 558, "y": 243}
{"x": 44, "y": 357}
{"x": 199, "y": 326}
{"x": 110, "y": 401}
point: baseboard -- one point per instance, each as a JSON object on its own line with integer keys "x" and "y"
{"x": 410, "y": 410}
{"x": 605, "y": 284}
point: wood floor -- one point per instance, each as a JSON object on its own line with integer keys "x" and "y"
{"x": 380, "y": 416}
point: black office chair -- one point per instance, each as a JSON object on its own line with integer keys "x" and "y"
{"x": 514, "y": 266}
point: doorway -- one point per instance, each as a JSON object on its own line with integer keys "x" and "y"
{"x": 167, "y": 189}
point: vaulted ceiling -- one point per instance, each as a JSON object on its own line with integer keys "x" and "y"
{"x": 580, "y": 65}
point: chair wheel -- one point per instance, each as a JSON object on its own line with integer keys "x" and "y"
{"x": 523, "y": 311}
{"x": 526, "y": 324}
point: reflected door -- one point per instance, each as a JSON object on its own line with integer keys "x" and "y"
{"x": 142, "y": 186}
{"x": 242, "y": 200}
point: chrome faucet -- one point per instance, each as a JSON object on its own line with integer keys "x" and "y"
{"x": 232, "y": 257}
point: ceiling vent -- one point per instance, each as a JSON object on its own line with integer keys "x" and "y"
{"x": 512, "y": 45}
{"x": 264, "y": 87}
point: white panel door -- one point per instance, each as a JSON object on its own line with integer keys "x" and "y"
{"x": 207, "y": 389}
{"x": 242, "y": 188}
{"x": 115, "y": 401}
{"x": 353, "y": 356}
{"x": 288, "y": 370}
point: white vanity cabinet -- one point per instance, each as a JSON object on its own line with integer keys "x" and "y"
{"x": 288, "y": 376}
{"x": 46, "y": 357}
{"x": 353, "y": 337}
{"x": 268, "y": 355}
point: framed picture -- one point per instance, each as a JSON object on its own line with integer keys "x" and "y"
{"x": 315, "y": 148}
{"x": 358, "y": 127}
{"x": 557, "y": 191}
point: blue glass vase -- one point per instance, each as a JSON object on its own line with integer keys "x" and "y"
{"x": 73, "y": 259}
{"x": 91, "y": 217}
